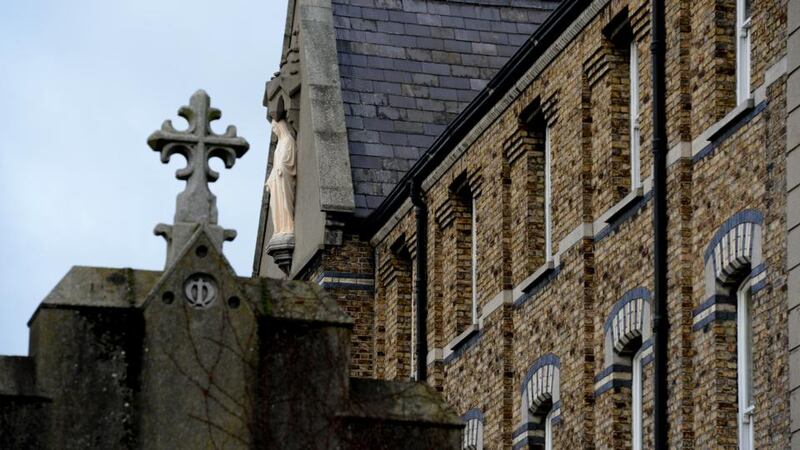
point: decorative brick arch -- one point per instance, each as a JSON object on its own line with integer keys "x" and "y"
{"x": 541, "y": 384}
{"x": 540, "y": 389}
{"x": 473, "y": 430}
{"x": 735, "y": 245}
{"x": 732, "y": 254}
{"x": 628, "y": 321}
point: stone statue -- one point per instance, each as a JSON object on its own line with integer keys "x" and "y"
{"x": 281, "y": 185}
{"x": 282, "y": 179}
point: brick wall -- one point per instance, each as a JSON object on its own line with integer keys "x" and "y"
{"x": 525, "y": 188}
{"x": 393, "y": 319}
{"x": 603, "y": 248}
{"x": 347, "y": 271}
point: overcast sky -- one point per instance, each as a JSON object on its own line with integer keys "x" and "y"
{"x": 82, "y": 85}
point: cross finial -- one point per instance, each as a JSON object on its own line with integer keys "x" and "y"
{"x": 196, "y": 205}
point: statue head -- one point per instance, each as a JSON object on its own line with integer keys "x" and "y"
{"x": 281, "y": 129}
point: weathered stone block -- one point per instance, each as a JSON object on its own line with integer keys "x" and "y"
{"x": 792, "y": 87}
{"x": 793, "y": 16}
{"x": 88, "y": 362}
{"x": 794, "y": 399}
{"x": 794, "y": 329}
{"x": 792, "y": 170}
{"x": 794, "y": 373}
{"x": 793, "y": 243}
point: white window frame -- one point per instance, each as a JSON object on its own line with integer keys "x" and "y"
{"x": 743, "y": 48}
{"x": 744, "y": 365}
{"x": 636, "y": 176}
{"x": 413, "y": 372}
{"x": 637, "y": 433}
{"x": 474, "y": 260}
{"x": 548, "y": 431}
{"x": 548, "y": 200}
{"x": 473, "y": 435}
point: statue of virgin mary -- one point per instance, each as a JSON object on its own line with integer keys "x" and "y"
{"x": 282, "y": 180}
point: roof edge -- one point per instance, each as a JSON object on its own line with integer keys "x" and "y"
{"x": 498, "y": 86}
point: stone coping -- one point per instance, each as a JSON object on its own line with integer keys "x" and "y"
{"x": 403, "y": 401}
{"x": 126, "y": 288}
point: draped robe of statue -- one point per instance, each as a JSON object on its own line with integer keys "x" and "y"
{"x": 282, "y": 180}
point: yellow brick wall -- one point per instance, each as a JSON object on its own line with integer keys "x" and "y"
{"x": 566, "y": 314}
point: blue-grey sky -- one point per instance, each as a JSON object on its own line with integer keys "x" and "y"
{"x": 82, "y": 85}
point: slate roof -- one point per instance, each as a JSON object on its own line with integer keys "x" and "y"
{"x": 408, "y": 67}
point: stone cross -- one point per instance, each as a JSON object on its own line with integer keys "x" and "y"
{"x": 196, "y": 205}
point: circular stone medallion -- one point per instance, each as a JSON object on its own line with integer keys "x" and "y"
{"x": 200, "y": 290}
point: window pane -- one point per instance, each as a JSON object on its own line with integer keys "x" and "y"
{"x": 548, "y": 200}
{"x": 634, "y": 114}
{"x": 742, "y": 50}
{"x": 744, "y": 366}
{"x": 636, "y": 401}
{"x": 474, "y": 239}
{"x": 548, "y": 431}
{"x": 748, "y": 356}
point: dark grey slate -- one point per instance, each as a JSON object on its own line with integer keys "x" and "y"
{"x": 401, "y": 101}
{"x": 444, "y": 94}
{"x": 397, "y": 77}
{"x": 408, "y": 67}
{"x": 430, "y": 19}
{"x": 420, "y": 140}
{"x": 403, "y": 17}
{"x": 436, "y": 68}
{"x": 445, "y": 56}
{"x": 454, "y": 82}
{"x": 366, "y": 162}
{"x": 376, "y": 14}
{"x": 418, "y": 30}
{"x": 454, "y": 22}
{"x": 478, "y": 24}
{"x": 442, "y": 33}
{"x": 458, "y": 46}
{"x": 431, "y": 43}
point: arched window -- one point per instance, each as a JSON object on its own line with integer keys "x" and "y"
{"x": 540, "y": 406}
{"x": 394, "y": 312}
{"x": 627, "y": 349}
{"x": 548, "y": 195}
{"x": 464, "y": 198}
{"x": 636, "y": 400}
{"x": 473, "y": 430}
{"x": 473, "y": 240}
{"x": 548, "y": 431}
{"x": 734, "y": 271}
{"x": 635, "y": 135}
{"x": 624, "y": 53}
{"x": 744, "y": 364}
{"x": 459, "y": 220}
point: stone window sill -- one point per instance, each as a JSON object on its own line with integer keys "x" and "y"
{"x": 453, "y": 345}
{"x": 720, "y": 127}
{"x": 620, "y": 208}
{"x": 540, "y": 273}
{"x": 435, "y": 355}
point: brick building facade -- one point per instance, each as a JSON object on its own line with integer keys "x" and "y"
{"x": 537, "y": 197}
